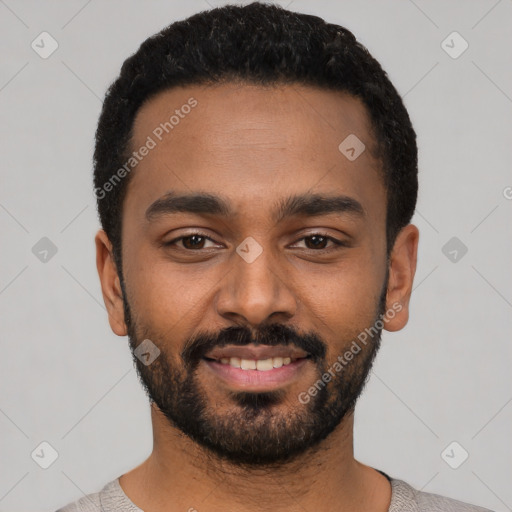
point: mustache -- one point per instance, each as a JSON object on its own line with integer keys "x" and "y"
{"x": 276, "y": 334}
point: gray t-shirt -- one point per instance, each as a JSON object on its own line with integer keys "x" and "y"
{"x": 403, "y": 499}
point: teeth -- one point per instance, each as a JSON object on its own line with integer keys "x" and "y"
{"x": 263, "y": 365}
{"x": 234, "y": 361}
{"x": 277, "y": 362}
{"x": 248, "y": 364}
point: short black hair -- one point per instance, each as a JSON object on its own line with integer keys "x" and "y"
{"x": 262, "y": 44}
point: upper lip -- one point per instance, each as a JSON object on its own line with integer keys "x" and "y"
{"x": 256, "y": 352}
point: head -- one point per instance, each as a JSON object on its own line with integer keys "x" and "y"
{"x": 256, "y": 174}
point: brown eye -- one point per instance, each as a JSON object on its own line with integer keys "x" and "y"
{"x": 193, "y": 241}
{"x": 318, "y": 241}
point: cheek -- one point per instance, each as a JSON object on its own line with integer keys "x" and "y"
{"x": 343, "y": 304}
{"x": 166, "y": 297}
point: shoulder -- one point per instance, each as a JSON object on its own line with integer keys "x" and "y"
{"x": 89, "y": 503}
{"x": 405, "y": 498}
{"x": 111, "y": 498}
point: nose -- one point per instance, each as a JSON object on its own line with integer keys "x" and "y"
{"x": 254, "y": 291}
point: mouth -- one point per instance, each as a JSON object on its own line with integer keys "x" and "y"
{"x": 256, "y": 368}
{"x": 262, "y": 365}
{"x": 246, "y": 356}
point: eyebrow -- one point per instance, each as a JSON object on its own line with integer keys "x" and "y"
{"x": 311, "y": 205}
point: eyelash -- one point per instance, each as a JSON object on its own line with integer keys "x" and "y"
{"x": 336, "y": 242}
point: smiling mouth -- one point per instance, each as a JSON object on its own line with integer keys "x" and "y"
{"x": 257, "y": 364}
{"x": 256, "y": 357}
{"x": 257, "y": 375}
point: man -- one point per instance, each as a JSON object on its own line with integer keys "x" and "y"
{"x": 256, "y": 174}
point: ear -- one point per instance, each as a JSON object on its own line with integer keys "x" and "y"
{"x": 110, "y": 284}
{"x": 402, "y": 267}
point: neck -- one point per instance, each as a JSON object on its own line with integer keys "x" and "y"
{"x": 181, "y": 475}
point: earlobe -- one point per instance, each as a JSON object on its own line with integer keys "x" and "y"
{"x": 402, "y": 268}
{"x": 110, "y": 284}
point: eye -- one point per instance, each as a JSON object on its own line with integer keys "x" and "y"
{"x": 190, "y": 242}
{"x": 319, "y": 240}
{"x": 195, "y": 242}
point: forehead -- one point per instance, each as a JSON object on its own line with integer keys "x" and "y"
{"x": 250, "y": 142}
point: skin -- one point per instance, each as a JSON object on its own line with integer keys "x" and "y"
{"x": 254, "y": 146}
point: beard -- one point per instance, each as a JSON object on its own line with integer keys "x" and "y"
{"x": 259, "y": 429}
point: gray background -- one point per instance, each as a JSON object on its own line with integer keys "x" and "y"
{"x": 68, "y": 380}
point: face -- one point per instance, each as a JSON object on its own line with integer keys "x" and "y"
{"x": 254, "y": 257}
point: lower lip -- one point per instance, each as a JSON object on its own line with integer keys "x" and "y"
{"x": 256, "y": 380}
